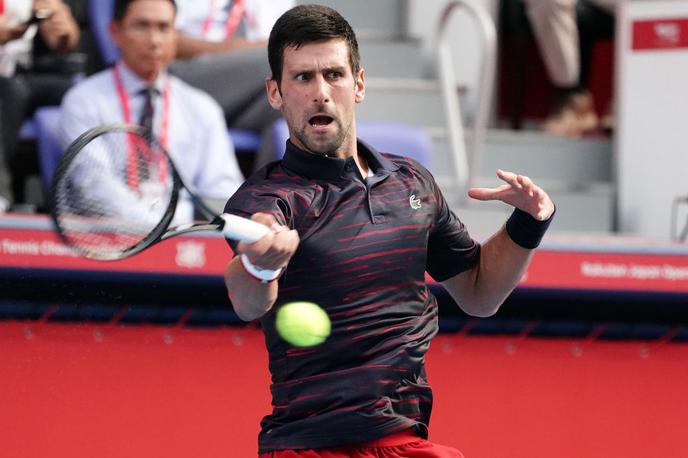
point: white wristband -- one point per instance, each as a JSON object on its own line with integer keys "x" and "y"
{"x": 264, "y": 275}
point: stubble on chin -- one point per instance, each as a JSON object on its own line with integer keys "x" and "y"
{"x": 328, "y": 147}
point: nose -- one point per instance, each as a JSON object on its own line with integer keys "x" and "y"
{"x": 321, "y": 92}
{"x": 156, "y": 36}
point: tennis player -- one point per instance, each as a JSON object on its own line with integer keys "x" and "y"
{"x": 355, "y": 230}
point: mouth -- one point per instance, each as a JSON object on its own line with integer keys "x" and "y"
{"x": 320, "y": 121}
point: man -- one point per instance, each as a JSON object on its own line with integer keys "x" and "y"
{"x": 222, "y": 51}
{"x": 26, "y": 82}
{"x": 187, "y": 121}
{"x": 355, "y": 231}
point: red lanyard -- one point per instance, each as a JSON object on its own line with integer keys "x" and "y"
{"x": 233, "y": 17}
{"x": 132, "y": 159}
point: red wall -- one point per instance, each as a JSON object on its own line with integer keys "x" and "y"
{"x": 86, "y": 390}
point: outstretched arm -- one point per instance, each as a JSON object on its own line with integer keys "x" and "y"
{"x": 189, "y": 46}
{"x": 505, "y": 256}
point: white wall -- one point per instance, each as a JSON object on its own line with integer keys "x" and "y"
{"x": 652, "y": 118}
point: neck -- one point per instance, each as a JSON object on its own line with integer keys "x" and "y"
{"x": 362, "y": 164}
{"x": 149, "y": 77}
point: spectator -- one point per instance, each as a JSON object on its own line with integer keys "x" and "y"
{"x": 566, "y": 31}
{"x": 31, "y": 73}
{"x": 186, "y": 120}
{"x": 222, "y": 50}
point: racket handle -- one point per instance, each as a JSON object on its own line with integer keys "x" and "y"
{"x": 242, "y": 229}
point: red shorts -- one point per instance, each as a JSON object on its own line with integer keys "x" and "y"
{"x": 401, "y": 445}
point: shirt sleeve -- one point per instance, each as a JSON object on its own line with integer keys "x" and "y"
{"x": 254, "y": 196}
{"x": 451, "y": 250}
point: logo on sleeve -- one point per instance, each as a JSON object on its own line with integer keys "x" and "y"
{"x": 414, "y": 202}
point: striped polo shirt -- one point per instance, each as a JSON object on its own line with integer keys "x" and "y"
{"x": 366, "y": 244}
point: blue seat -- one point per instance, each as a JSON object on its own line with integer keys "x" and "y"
{"x": 386, "y": 136}
{"x": 100, "y": 14}
{"x": 245, "y": 141}
{"x": 46, "y": 122}
{"x": 28, "y": 130}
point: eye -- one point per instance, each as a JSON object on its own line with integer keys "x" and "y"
{"x": 302, "y": 77}
{"x": 334, "y": 75}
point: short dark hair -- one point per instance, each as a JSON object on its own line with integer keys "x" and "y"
{"x": 308, "y": 24}
{"x": 121, "y": 7}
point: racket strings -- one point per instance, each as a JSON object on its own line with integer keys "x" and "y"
{"x": 113, "y": 194}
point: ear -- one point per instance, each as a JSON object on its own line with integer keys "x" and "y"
{"x": 359, "y": 86}
{"x": 274, "y": 95}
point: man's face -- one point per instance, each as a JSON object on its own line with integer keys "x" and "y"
{"x": 146, "y": 37}
{"x": 317, "y": 95}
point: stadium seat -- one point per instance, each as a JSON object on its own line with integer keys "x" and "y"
{"x": 28, "y": 130}
{"x": 99, "y": 16}
{"x": 245, "y": 141}
{"x": 47, "y": 124}
{"x": 390, "y": 137}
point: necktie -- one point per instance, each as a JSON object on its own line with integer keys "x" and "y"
{"x": 148, "y": 112}
{"x": 143, "y": 154}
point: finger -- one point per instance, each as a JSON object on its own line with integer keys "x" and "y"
{"x": 509, "y": 177}
{"x": 264, "y": 218}
{"x": 257, "y": 248}
{"x": 488, "y": 193}
{"x": 526, "y": 183}
{"x": 282, "y": 248}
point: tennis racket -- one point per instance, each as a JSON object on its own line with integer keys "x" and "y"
{"x": 117, "y": 192}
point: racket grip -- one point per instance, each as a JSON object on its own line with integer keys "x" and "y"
{"x": 242, "y": 229}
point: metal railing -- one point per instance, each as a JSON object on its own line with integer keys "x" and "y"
{"x": 467, "y": 167}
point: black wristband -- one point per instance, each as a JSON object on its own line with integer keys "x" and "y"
{"x": 525, "y": 230}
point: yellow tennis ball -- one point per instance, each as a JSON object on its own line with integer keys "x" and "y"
{"x": 302, "y": 324}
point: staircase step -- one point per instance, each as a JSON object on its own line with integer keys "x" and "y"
{"x": 590, "y": 210}
{"x": 416, "y": 101}
{"x": 577, "y": 174}
{"x": 371, "y": 18}
{"x": 574, "y": 163}
{"x": 394, "y": 58}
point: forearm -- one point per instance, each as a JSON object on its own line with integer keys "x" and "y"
{"x": 503, "y": 261}
{"x": 501, "y": 266}
{"x": 188, "y": 46}
{"x": 250, "y": 297}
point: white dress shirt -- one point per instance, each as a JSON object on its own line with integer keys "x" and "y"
{"x": 197, "y": 138}
{"x": 260, "y": 16}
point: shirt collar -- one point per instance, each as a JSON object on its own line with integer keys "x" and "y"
{"x": 314, "y": 166}
{"x": 133, "y": 84}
